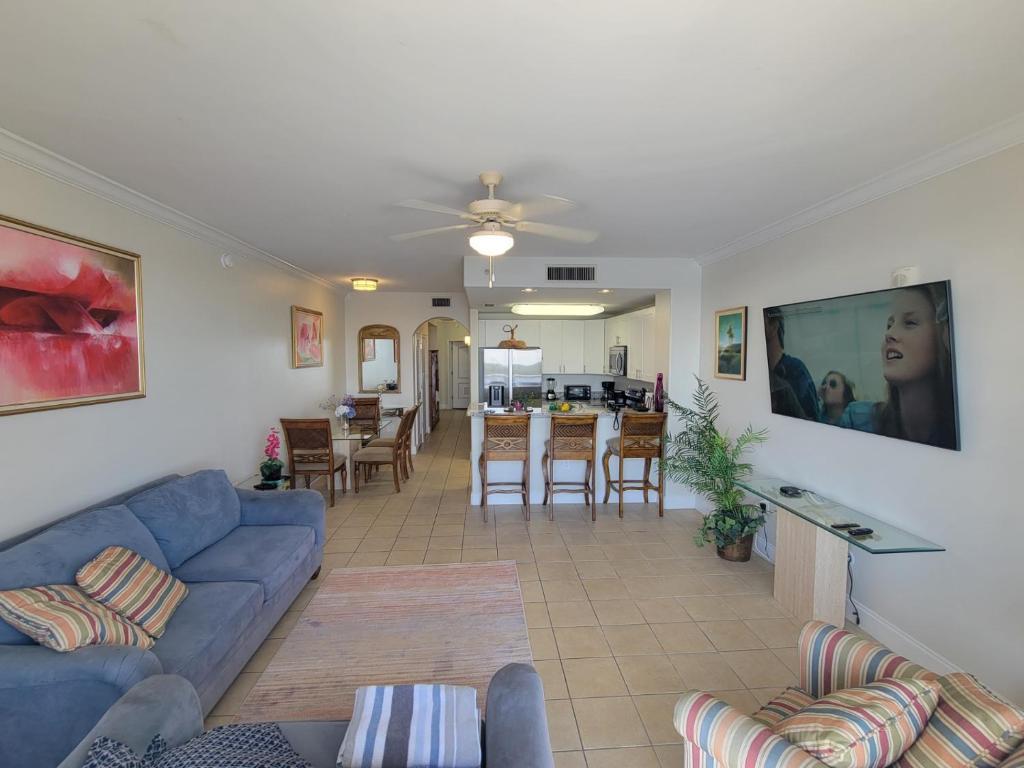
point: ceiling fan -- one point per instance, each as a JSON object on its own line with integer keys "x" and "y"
{"x": 492, "y": 217}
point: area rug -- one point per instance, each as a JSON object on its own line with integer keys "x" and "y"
{"x": 455, "y": 624}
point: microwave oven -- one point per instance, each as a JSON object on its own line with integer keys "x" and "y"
{"x": 617, "y": 361}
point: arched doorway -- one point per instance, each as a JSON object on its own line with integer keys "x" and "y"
{"x": 440, "y": 371}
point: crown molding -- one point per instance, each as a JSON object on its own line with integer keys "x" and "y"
{"x": 36, "y": 158}
{"x": 1000, "y": 136}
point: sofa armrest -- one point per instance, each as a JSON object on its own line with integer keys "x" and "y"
{"x": 516, "y": 732}
{"x": 298, "y": 507}
{"x": 163, "y": 704}
{"x": 832, "y": 659}
{"x": 710, "y": 727}
{"x": 121, "y": 666}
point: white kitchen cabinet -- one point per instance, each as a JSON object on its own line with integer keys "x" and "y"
{"x": 491, "y": 332}
{"x": 650, "y": 365}
{"x": 551, "y": 344}
{"x": 572, "y": 346}
{"x": 633, "y": 335}
{"x": 527, "y": 330}
{"x": 595, "y": 351}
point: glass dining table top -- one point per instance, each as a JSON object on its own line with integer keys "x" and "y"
{"x": 360, "y": 433}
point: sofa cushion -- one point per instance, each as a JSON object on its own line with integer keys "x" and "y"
{"x": 129, "y": 584}
{"x": 64, "y": 618}
{"x": 188, "y": 514}
{"x": 267, "y": 554}
{"x": 971, "y": 727}
{"x": 867, "y": 727}
{"x": 54, "y": 555}
{"x": 207, "y": 626}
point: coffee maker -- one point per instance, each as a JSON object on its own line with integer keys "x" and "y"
{"x": 607, "y": 388}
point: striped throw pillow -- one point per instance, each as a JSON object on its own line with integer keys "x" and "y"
{"x": 128, "y": 583}
{"x": 971, "y": 727}
{"x": 787, "y": 703}
{"x": 868, "y": 727}
{"x": 428, "y": 726}
{"x": 63, "y": 618}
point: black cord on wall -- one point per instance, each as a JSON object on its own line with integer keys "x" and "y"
{"x": 849, "y": 594}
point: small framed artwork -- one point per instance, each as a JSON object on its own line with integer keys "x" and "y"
{"x": 731, "y": 343}
{"x": 369, "y": 350}
{"x": 307, "y": 338}
{"x": 70, "y": 320}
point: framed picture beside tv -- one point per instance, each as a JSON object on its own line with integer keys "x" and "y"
{"x": 881, "y": 362}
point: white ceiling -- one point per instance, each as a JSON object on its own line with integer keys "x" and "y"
{"x": 677, "y": 125}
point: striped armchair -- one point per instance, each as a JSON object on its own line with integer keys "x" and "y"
{"x": 716, "y": 735}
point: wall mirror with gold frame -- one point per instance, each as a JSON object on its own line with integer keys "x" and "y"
{"x": 379, "y": 364}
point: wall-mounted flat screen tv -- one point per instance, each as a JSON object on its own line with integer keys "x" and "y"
{"x": 879, "y": 362}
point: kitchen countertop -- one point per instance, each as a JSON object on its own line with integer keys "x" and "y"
{"x": 542, "y": 411}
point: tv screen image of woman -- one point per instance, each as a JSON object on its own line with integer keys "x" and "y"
{"x": 880, "y": 362}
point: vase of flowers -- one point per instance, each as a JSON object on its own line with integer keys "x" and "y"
{"x": 270, "y": 469}
{"x": 346, "y": 410}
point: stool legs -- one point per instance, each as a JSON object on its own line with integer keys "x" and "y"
{"x": 526, "y": 487}
{"x": 607, "y": 476}
{"x": 483, "y": 486}
{"x": 647, "y": 478}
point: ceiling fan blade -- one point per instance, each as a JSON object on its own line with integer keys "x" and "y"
{"x": 423, "y": 205}
{"x": 546, "y": 205}
{"x": 434, "y": 231}
{"x": 560, "y": 233}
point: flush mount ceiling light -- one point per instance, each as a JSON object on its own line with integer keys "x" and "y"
{"x": 491, "y": 240}
{"x": 364, "y": 284}
{"x": 605, "y": 290}
{"x": 567, "y": 310}
{"x": 529, "y": 290}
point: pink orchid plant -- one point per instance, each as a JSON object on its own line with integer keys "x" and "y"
{"x": 272, "y": 464}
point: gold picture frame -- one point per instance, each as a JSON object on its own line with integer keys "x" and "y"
{"x": 84, "y": 329}
{"x": 307, "y": 338}
{"x": 730, "y": 354}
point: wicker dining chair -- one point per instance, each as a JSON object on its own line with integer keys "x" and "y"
{"x": 573, "y": 438}
{"x": 372, "y": 457}
{"x": 506, "y": 438}
{"x": 310, "y": 450}
{"x": 642, "y": 436}
{"x": 367, "y": 413}
{"x": 408, "y": 419}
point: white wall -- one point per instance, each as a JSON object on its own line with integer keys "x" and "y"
{"x": 217, "y": 346}
{"x": 964, "y": 607}
{"x": 405, "y": 311}
{"x": 447, "y": 332}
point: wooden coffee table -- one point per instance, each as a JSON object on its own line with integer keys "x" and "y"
{"x": 455, "y": 624}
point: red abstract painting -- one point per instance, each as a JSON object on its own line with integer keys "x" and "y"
{"x": 70, "y": 321}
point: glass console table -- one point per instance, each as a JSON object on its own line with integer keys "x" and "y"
{"x": 817, "y": 510}
{"x": 811, "y": 556}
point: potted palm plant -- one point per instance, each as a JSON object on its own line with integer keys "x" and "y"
{"x": 711, "y": 463}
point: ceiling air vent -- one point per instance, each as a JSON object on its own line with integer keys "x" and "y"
{"x": 571, "y": 274}
{"x": 441, "y": 302}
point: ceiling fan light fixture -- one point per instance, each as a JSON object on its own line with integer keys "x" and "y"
{"x": 563, "y": 310}
{"x": 491, "y": 240}
{"x": 364, "y": 284}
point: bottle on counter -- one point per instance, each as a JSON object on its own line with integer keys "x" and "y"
{"x": 659, "y": 395}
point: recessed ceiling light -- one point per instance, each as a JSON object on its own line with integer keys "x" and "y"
{"x": 605, "y": 290}
{"x": 529, "y": 290}
{"x": 364, "y": 284}
{"x": 569, "y": 310}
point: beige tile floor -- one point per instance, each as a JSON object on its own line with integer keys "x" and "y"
{"x": 623, "y": 615}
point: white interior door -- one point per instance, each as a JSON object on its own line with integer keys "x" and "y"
{"x": 459, "y": 388}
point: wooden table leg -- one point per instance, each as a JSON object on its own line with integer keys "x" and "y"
{"x": 810, "y": 570}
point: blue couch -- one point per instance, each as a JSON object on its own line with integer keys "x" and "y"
{"x": 244, "y": 555}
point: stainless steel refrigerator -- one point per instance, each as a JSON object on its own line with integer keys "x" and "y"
{"x": 517, "y": 370}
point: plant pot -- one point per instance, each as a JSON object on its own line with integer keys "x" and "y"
{"x": 738, "y": 551}
{"x": 270, "y": 475}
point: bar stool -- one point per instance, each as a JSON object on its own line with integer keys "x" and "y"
{"x": 506, "y": 438}
{"x": 641, "y": 437}
{"x": 573, "y": 438}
